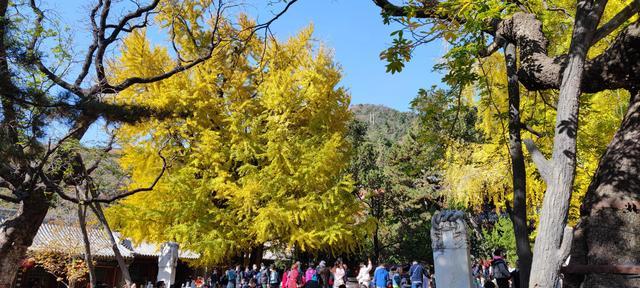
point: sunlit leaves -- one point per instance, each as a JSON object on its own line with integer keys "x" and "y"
{"x": 478, "y": 171}
{"x": 257, "y": 149}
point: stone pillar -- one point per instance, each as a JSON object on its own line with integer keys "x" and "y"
{"x": 167, "y": 263}
{"x": 451, "y": 250}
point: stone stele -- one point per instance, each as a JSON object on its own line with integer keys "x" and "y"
{"x": 167, "y": 263}
{"x": 451, "y": 250}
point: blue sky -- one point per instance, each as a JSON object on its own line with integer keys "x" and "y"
{"x": 352, "y": 28}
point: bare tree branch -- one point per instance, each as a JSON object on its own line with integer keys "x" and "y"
{"x": 107, "y": 149}
{"x": 430, "y": 11}
{"x": 275, "y": 17}
{"x": 51, "y": 150}
{"x": 625, "y": 14}
{"x": 98, "y": 60}
{"x": 34, "y": 58}
{"x": 134, "y": 191}
{"x": 120, "y": 195}
{"x": 545, "y": 101}
{"x": 9, "y": 198}
{"x": 125, "y": 19}
{"x": 492, "y": 48}
{"x": 530, "y": 129}
{"x": 556, "y": 9}
{"x": 129, "y": 28}
{"x": 543, "y": 165}
{"x": 92, "y": 48}
{"x": 177, "y": 69}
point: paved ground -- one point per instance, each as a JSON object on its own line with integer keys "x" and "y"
{"x": 352, "y": 282}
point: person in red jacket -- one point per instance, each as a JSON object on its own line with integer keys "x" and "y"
{"x": 285, "y": 276}
{"x": 294, "y": 278}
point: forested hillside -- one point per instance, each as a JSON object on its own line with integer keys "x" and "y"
{"x": 383, "y": 122}
{"x": 393, "y": 173}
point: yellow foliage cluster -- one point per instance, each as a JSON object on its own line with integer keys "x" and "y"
{"x": 256, "y": 149}
{"x": 479, "y": 172}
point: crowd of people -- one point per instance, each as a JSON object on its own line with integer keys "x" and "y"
{"x": 315, "y": 276}
{"x": 495, "y": 273}
{"x": 396, "y": 276}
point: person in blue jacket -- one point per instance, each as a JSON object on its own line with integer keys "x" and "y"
{"x": 381, "y": 276}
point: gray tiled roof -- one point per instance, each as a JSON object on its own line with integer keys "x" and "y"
{"x": 66, "y": 238}
{"x": 69, "y": 239}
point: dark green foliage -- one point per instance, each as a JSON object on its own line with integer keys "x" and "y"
{"x": 394, "y": 174}
{"x": 500, "y": 235}
{"x": 383, "y": 122}
{"x": 396, "y": 168}
{"x": 445, "y": 116}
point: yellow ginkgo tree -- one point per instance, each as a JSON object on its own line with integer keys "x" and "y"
{"x": 255, "y": 150}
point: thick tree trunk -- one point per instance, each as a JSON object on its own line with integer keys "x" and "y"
{"x": 124, "y": 269}
{"x": 18, "y": 233}
{"x": 255, "y": 257}
{"x": 610, "y": 223}
{"x": 552, "y": 244}
{"x": 519, "y": 174}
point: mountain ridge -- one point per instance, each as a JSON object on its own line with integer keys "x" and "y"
{"x": 384, "y": 122}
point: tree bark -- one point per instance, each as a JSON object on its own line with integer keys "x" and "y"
{"x": 610, "y": 213}
{"x": 124, "y": 269}
{"x": 255, "y": 257}
{"x": 88, "y": 258}
{"x": 18, "y": 233}
{"x": 519, "y": 174}
{"x": 552, "y": 244}
{"x": 25, "y": 175}
{"x": 615, "y": 68}
{"x": 376, "y": 244}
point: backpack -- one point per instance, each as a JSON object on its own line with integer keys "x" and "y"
{"x": 499, "y": 273}
{"x": 264, "y": 277}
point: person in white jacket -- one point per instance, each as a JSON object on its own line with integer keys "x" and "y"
{"x": 364, "y": 278}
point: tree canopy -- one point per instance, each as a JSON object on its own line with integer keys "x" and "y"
{"x": 258, "y": 160}
{"x": 576, "y": 47}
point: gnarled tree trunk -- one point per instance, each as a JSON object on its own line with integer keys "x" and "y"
{"x": 18, "y": 233}
{"x": 609, "y": 228}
